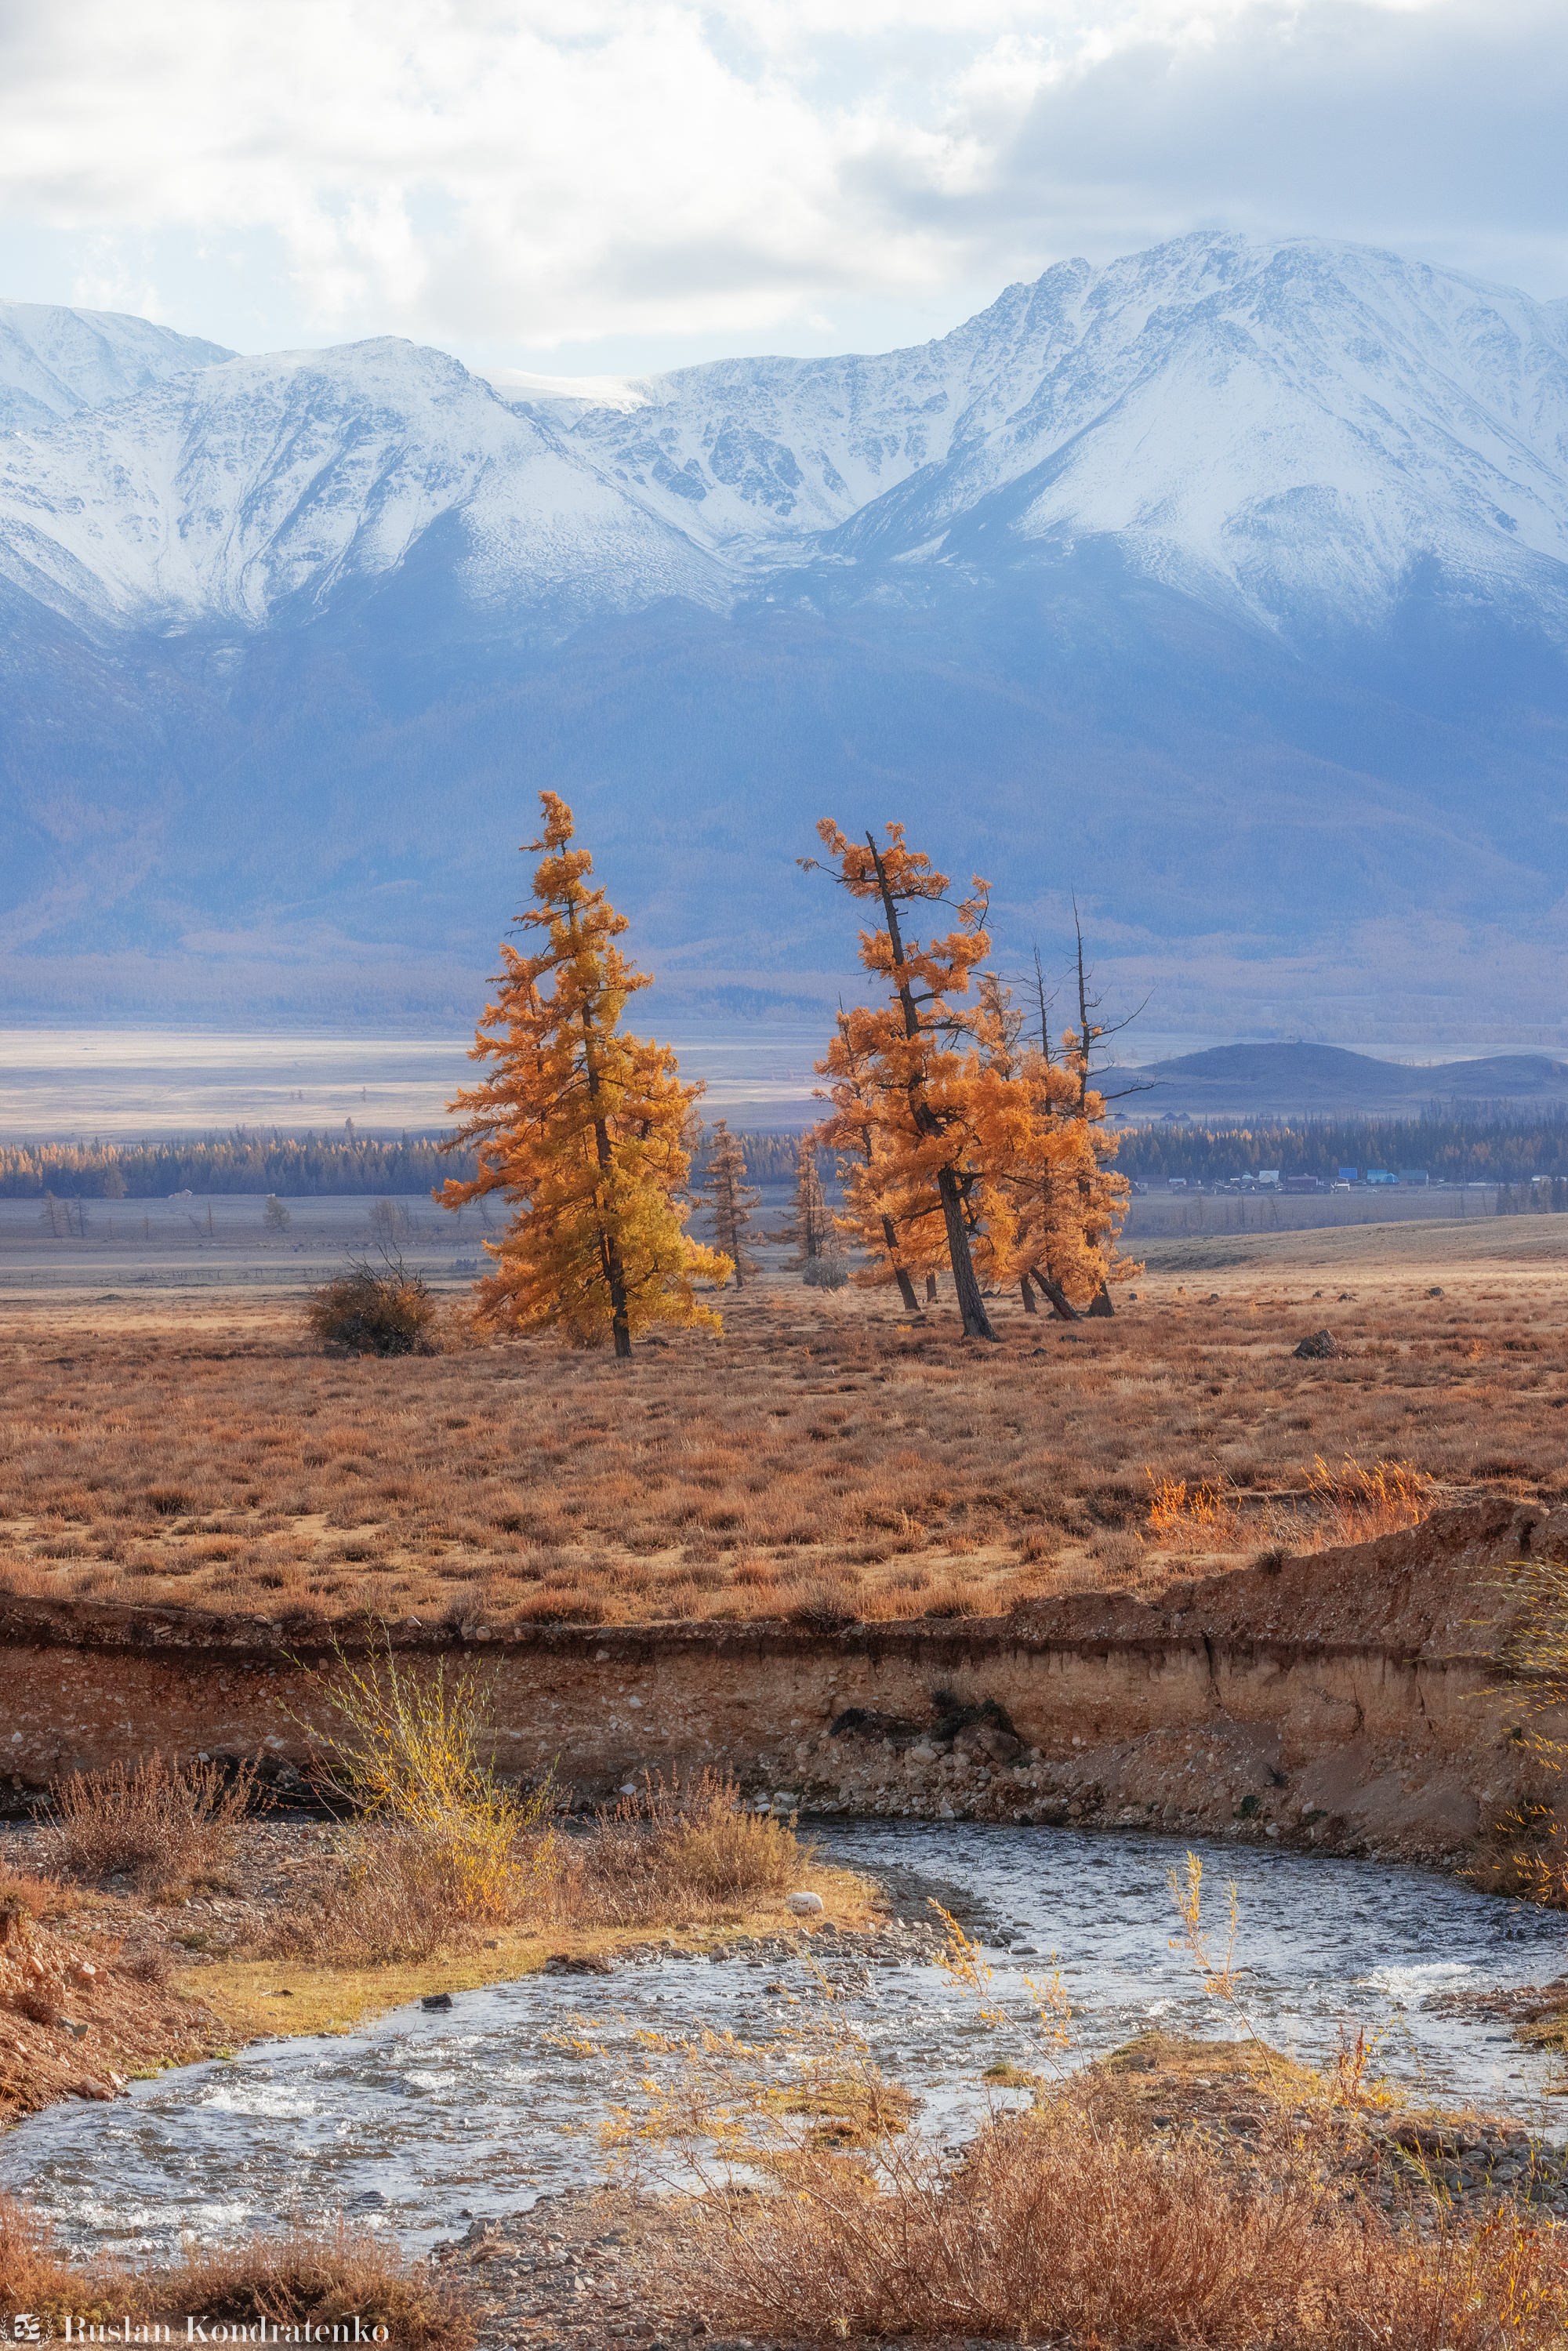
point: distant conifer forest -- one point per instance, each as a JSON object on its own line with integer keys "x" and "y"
{"x": 1447, "y": 1150}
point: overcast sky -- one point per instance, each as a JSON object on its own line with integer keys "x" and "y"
{"x": 574, "y": 187}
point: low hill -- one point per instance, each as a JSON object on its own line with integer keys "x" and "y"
{"x": 1240, "y": 1082}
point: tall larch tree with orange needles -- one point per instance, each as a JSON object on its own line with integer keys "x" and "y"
{"x": 898, "y": 1240}
{"x": 587, "y": 1131}
{"x": 915, "y": 1046}
{"x": 1065, "y": 1203}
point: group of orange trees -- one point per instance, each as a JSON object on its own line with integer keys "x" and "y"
{"x": 961, "y": 1145}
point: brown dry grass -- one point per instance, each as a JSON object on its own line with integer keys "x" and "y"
{"x": 670, "y": 1854}
{"x": 1180, "y": 2192}
{"x": 823, "y": 1459}
{"x": 283, "y": 2281}
{"x": 687, "y": 1852}
{"x": 1060, "y": 2227}
{"x": 160, "y": 1823}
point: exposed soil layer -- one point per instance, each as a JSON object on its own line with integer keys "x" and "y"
{"x": 1353, "y": 1700}
{"x": 86, "y": 2004}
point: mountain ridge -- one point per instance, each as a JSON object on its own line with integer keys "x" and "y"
{"x": 1225, "y": 585}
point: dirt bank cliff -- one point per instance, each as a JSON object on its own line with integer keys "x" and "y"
{"x": 1360, "y": 1699}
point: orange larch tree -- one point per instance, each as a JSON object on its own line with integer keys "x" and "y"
{"x": 587, "y": 1131}
{"x": 926, "y": 1106}
{"x": 898, "y": 1239}
{"x": 1066, "y": 1204}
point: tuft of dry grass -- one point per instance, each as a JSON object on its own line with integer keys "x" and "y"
{"x": 1061, "y": 2227}
{"x": 25, "y": 1896}
{"x": 385, "y": 1895}
{"x": 821, "y": 1454}
{"x": 33, "y": 2275}
{"x": 159, "y": 1822}
{"x": 670, "y": 1853}
{"x": 261, "y": 2283}
{"x": 323, "y": 2278}
{"x": 681, "y": 1850}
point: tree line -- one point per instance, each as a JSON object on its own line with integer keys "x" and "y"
{"x": 963, "y": 1139}
{"x": 1451, "y": 1150}
{"x": 300, "y": 1167}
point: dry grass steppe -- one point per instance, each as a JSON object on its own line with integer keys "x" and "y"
{"x": 825, "y": 1458}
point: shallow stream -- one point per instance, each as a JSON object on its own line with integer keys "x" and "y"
{"x": 423, "y": 2120}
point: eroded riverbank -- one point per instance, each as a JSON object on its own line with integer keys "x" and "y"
{"x": 1351, "y": 1701}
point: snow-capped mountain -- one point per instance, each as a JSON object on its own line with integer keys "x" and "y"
{"x": 1291, "y": 424}
{"x": 255, "y": 489}
{"x": 55, "y": 362}
{"x": 1227, "y": 583}
{"x": 1284, "y": 420}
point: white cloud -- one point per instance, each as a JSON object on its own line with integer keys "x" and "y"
{"x": 533, "y": 177}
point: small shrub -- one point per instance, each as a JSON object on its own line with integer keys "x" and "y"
{"x": 1058, "y": 2227}
{"x": 823, "y": 1607}
{"x": 25, "y": 1899}
{"x": 825, "y": 1273}
{"x": 673, "y": 1850}
{"x": 952, "y": 1600}
{"x": 389, "y": 1312}
{"x": 1525, "y": 1856}
{"x": 156, "y": 1821}
{"x": 149, "y": 1963}
{"x": 450, "y": 1845}
{"x": 263, "y": 2284}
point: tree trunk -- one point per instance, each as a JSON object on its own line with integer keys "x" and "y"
{"x": 608, "y": 1248}
{"x": 1056, "y": 1298}
{"x": 900, "y": 1273}
{"x": 614, "y": 1271}
{"x": 1028, "y": 1294}
{"x": 971, "y": 1305}
{"x": 1100, "y": 1305}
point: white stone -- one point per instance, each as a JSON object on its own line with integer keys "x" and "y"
{"x": 806, "y": 1906}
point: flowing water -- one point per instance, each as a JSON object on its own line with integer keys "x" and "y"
{"x": 421, "y": 2119}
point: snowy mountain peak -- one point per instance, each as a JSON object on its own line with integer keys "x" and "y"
{"x": 1285, "y": 428}
{"x": 55, "y": 362}
{"x": 1273, "y": 423}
